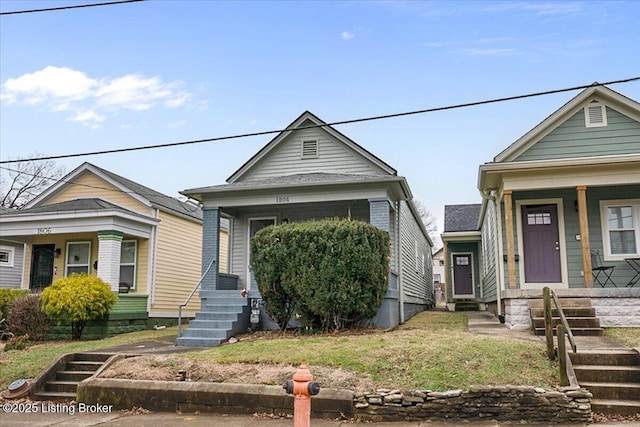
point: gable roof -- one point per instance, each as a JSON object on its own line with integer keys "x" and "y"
{"x": 596, "y": 91}
{"x": 461, "y": 217}
{"x": 77, "y": 205}
{"x": 143, "y": 194}
{"x": 297, "y": 125}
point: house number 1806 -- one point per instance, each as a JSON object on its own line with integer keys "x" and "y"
{"x": 44, "y": 230}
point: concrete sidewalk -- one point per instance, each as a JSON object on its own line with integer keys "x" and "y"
{"x": 125, "y": 419}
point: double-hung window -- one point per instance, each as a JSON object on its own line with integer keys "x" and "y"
{"x": 6, "y": 256}
{"x": 78, "y": 258}
{"x": 621, "y": 228}
{"x": 128, "y": 256}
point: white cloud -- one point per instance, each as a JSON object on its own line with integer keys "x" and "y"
{"x": 346, "y": 35}
{"x": 65, "y": 89}
{"x": 177, "y": 124}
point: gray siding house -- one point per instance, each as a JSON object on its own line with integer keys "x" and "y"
{"x": 557, "y": 205}
{"x": 310, "y": 171}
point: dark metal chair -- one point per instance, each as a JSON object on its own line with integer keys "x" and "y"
{"x": 601, "y": 273}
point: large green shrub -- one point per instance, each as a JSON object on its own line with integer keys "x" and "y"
{"x": 77, "y": 299}
{"x": 26, "y": 318}
{"x": 331, "y": 272}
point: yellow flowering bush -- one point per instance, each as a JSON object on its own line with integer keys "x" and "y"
{"x": 77, "y": 299}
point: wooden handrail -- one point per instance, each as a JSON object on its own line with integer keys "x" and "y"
{"x": 567, "y": 328}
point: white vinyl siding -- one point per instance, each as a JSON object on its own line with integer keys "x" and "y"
{"x": 620, "y": 228}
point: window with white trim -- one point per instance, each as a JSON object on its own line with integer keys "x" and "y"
{"x": 436, "y": 279}
{"x": 7, "y": 254}
{"x": 78, "y": 258}
{"x": 621, "y": 228}
{"x": 128, "y": 257}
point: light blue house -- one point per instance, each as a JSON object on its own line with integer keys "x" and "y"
{"x": 560, "y": 208}
{"x": 310, "y": 171}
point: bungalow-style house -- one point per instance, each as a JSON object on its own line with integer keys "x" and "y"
{"x": 144, "y": 244}
{"x": 309, "y": 171}
{"x": 560, "y": 208}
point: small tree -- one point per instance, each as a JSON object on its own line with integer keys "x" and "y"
{"x": 77, "y": 299}
{"x": 23, "y": 181}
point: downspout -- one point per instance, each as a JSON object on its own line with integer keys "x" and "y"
{"x": 399, "y": 257}
{"x": 151, "y": 268}
{"x": 492, "y": 199}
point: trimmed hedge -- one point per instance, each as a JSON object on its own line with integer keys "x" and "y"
{"x": 330, "y": 273}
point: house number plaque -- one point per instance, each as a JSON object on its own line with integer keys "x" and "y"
{"x": 282, "y": 199}
{"x": 44, "y": 230}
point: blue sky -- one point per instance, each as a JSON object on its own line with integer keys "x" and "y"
{"x": 165, "y": 71}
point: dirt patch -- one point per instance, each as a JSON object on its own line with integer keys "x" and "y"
{"x": 166, "y": 368}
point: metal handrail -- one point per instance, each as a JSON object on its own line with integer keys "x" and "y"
{"x": 190, "y": 296}
{"x": 565, "y": 324}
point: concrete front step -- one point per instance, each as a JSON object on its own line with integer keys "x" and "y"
{"x": 92, "y": 357}
{"x": 618, "y": 407}
{"x": 83, "y": 365}
{"x": 574, "y": 322}
{"x": 199, "y": 342}
{"x": 76, "y": 376}
{"x": 220, "y": 334}
{"x": 223, "y": 308}
{"x": 210, "y": 324}
{"x": 564, "y": 302}
{"x": 210, "y": 315}
{"x": 54, "y": 395}
{"x": 568, "y": 312}
{"x": 617, "y": 391}
{"x": 63, "y": 386}
{"x": 576, "y": 331}
{"x": 607, "y": 373}
{"x": 620, "y": 357}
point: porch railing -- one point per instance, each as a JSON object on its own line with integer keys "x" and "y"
{"x": 195, "y": 288}
{"x": 562, "y": 329}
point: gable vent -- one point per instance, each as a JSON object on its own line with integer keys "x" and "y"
{"x": 595, "y": 115}
{"x": 310, "y": 149}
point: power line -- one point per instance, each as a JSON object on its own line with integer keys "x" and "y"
{"x": 342, "y": 122}
{"x": 51, "y": 9}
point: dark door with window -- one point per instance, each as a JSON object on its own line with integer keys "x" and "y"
{"x": 462, "y": 275}
{"x": 41, "y": 267}
{"x": 541, "y": 244}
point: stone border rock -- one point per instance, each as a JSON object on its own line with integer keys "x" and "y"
{"x": 499, "y": 403}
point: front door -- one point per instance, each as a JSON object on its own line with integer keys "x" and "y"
{"x": 41, "y": 267}
{"x": 462, "y": 275}
{"x": 541, "y": 244}
{"x": 255, "y": 225}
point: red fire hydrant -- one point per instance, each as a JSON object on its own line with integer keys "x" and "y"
{"x": 302, "y": 387}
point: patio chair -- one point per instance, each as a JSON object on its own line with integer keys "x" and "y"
{"x": 601, "y": 273}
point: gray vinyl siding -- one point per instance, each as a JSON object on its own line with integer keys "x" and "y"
{"x": 11, "y": 277}
{"x": 488, "y": 258}
{"x": 574, "y": 139}
{"x": 358, "y": 210}
{"x": 417, "y": 287}
{"x": 333, "y": 157}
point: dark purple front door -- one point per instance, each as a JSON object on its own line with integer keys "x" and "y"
{"x": 462, "y": 276}
{"x": 541, "y": 243}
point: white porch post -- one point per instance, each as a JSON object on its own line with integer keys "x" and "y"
{"x": 109, "y": 245}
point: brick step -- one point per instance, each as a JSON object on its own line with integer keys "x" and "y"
{"x": 574, "y": 322}
{"x": 610, "y": 357}
{"x": 83, "y": 365}
{"x": 575, "y": 331}
{"x": 64, "y": 386}
{"x": 54, "y": 395}
{"x": 615, "y": 407}
{"x": 617, "y": 391}
{"x": 607, "y": 373}
{"x": 76, "y": 376}
{"x": 568, "y": 312}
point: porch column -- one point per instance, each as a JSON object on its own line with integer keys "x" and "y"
{"x": 585, "y": 244}
{"x": 511, "y": 253}
{"x": 109, "y": 245}
{"x": 379, "y": 214}
{"x": 210, "y": 246}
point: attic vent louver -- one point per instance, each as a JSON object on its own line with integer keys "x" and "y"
{"x": 595, "y": 115}
{"x": 310, "y": 149}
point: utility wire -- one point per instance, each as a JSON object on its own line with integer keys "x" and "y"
{"x": 51, "y": 9}
{"x": 342, "y": 122}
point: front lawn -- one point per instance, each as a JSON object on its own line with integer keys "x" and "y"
{"x": 627, "y": 336}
